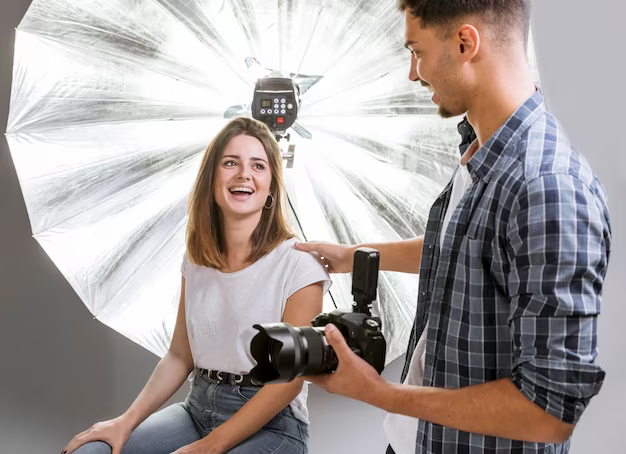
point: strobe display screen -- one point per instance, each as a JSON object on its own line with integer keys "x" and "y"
{"x": 266, "y": 103}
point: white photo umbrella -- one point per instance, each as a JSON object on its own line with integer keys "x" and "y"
{"x": 114, "y": 102}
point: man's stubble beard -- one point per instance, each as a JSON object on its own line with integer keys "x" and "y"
{"x": 445, "y": 113}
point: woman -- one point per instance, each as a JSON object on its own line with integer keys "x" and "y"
{"x": 240, "y": 268}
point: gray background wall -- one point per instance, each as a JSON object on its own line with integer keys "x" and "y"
{"x": 60, "y": 370}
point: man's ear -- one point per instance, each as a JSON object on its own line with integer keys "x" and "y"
{"x": 468, "y": 41}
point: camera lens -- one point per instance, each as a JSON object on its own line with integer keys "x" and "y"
{"x": 283, "y": 352}
{"x": 273, "y": 351}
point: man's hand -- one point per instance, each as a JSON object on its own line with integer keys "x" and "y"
{"x": 337, "y": 257}
{"x": 354, "y": 377}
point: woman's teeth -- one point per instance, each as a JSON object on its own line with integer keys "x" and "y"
{"x": 241, "y": 190}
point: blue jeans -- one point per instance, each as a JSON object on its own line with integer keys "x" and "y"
{"x": 208, "y": 405}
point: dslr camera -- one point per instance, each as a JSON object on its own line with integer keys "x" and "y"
{"x": 284, "y": 352}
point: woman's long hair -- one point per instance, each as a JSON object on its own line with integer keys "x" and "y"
{"x": 205, "y": 244}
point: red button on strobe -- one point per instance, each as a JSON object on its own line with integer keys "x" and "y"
{"x": 280, "y": 120}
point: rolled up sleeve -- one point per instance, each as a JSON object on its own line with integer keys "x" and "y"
{"x": 558, "y": 243}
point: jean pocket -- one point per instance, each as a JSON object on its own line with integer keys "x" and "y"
{"x": 304, "y": 435}
{"x": 209, "y": 420}
{"x": 246, "y": 392}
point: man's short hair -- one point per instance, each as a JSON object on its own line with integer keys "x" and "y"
{"x": 507, "y": 18}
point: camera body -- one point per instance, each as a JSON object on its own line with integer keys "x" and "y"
{"x": 362, "y": 333}
{"x": 283, "y": 352}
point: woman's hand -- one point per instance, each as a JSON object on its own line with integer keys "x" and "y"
{"x": 203, "y": 446}
{"x": 115, "y": 432}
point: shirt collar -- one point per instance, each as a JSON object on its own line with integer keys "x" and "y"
{"x": 484, "y": 161}
{"x": 469, "y": 153}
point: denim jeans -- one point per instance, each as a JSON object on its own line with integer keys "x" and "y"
{"x": 208, "y": 405}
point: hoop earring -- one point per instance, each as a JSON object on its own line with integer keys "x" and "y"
{"x": 272, "y": 204}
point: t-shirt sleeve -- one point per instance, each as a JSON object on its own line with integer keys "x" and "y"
{"x": 184, "y": 265}
{"x": 308, "y": 269}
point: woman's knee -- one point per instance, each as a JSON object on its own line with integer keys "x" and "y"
{"x": 94, "y": 447}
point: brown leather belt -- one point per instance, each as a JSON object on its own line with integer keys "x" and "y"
{"x": 228, "y": 378}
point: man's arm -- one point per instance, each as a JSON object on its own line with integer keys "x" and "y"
{"x": 558, "y": 238}
{"x": 401, "y": 256}
{"x": 496, "y": 408}
{"x": 558, "y": 243}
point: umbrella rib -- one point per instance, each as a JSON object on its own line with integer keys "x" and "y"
{"x": 295, "y": 215}
{"x": 111, "y": 57}
{"x": 112, "y": 122}
{"x": 170, "y": 235}
{"x": 225, "y": 61}
{"x": 363, "y": 33}
{"x": 367, "y": 81}
{"x": 308, "y": 46}
{"x": 104, "y": 200}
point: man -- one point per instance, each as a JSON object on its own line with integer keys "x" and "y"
{"x": 501, "y": 357}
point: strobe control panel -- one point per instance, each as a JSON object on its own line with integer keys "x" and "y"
{"x": 276, "y": 102}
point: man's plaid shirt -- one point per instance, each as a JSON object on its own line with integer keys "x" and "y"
{"x": 515, "y": 291}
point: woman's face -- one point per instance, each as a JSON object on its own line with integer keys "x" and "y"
{"x": 243, "y": 178}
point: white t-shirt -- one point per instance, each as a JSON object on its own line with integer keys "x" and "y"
{"x": 401, "y": 430}
{"x": 221, "y": 308}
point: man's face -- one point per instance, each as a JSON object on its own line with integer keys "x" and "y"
{"x": 434, "y": 65}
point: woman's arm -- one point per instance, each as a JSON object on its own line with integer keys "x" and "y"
{"x": 169, "y": 374}
{"x": 301, "y": 307}
{"x": 167, "y": 377}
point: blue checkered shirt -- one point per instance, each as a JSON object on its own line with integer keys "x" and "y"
{"x": 515, "y": 290}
